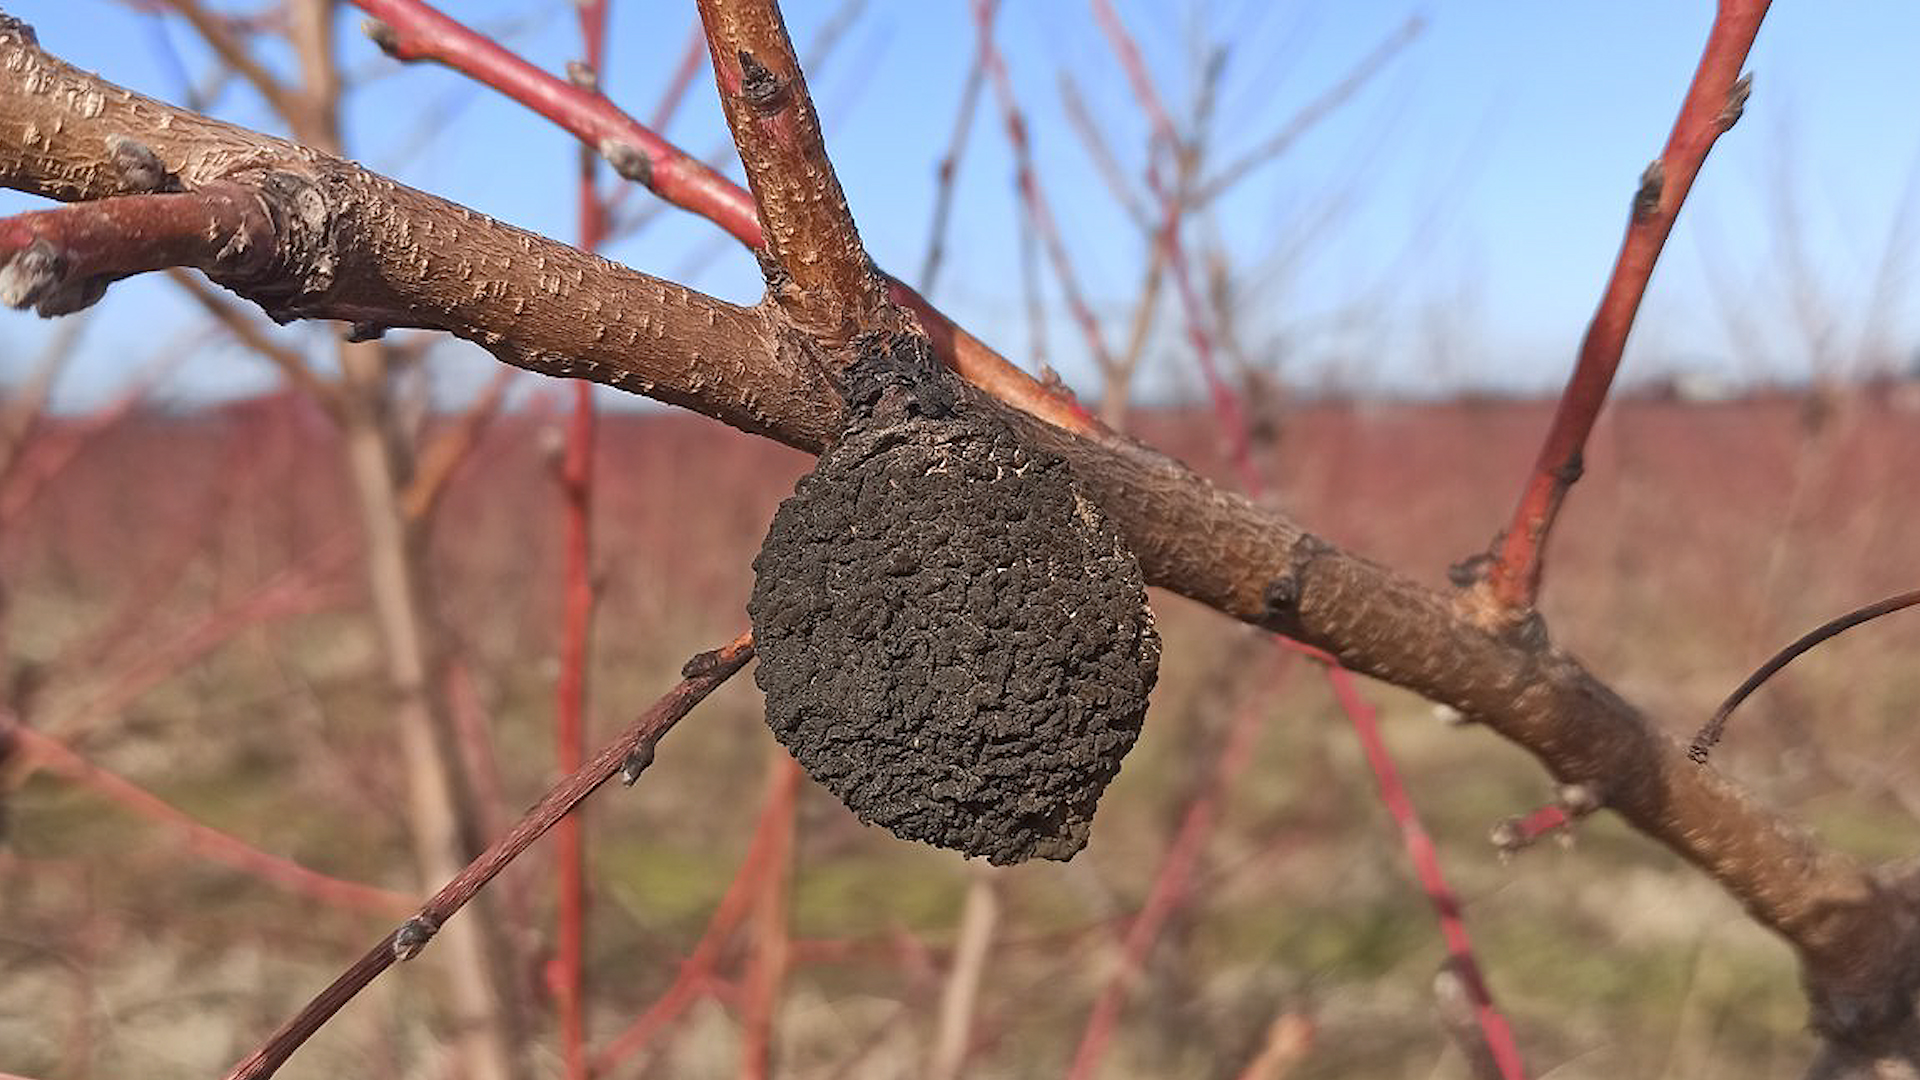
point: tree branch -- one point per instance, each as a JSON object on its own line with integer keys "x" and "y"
{"x": 817, "y": 270}
{"x": 356, "y": 246}
{"x": 322, "y": 238}
{"x": 628, "y": 755}
{"x": 1712, "y": 105}
{"x": 409, "y": 29}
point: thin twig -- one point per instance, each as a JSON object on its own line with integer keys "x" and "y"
{"x": 1716, "y": 727}
{"x": 1312, "y": 113}
{"x": 1169, "y": 889}
{"x": 203, "y": 839}
{"x": 770, "y": 954}
{"x": 575, "y": 477}
{"x": 628, "y": 755}
{"x": 1493, "y": 1031}
{"x": 696, "y": 971}
{"x": 948, "y": 171}
{"x": 1360, "y": 716}
{"x": 1032, "y": 199}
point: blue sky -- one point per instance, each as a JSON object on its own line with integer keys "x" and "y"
{"x": 1449, "y": 227}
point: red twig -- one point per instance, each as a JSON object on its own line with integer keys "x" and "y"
{"x": 1315, "y": 111}
{"x": 1518, "y": 834}
{"x": 62, "y": 260}
{"x": 33, "y": 467}
{"x": 1226, "y": 404}
{"x": 203, "y": 839}
{"x": 696, "y": 971}
{"x": 1168, "y": 891}
{"x": 1493, "y": 1027}
{"x": 947, "y": 172}
{"x": 297, "y": 590}
{"x": 628, "y": 754}
{"x": 692, "y": 60}
{"x": 690, "y": 64}
{"x": 413, "y": 31}
{"x": 576, "y": 622}
{"x": 410, "y": 30}
{"x": 771, "y": 955}
{"x": 1035, "y": 201}
{"x": 1713, "y": 103}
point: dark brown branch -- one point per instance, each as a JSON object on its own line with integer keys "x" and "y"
{"x": 627, "y": 755}
{"x": 817, "y": 269}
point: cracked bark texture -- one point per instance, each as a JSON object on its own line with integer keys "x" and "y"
{"x": 389, "y": 255}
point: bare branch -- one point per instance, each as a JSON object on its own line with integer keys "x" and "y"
{"x": 1713, "y": 103}
{"x": 626, "y": 755}
{"x": 411, "y": 29}
{"x": 1710, "y": 734}
{"x": 385, "y": 252}
{"x": 819, "y": 272}
{"x": 313, "y": 236}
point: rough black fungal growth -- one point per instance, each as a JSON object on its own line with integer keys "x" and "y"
{"x": 952, "y": 638}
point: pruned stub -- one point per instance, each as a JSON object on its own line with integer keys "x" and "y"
{"x": 952, "y": 638}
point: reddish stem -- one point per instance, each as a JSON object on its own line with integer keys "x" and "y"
{"x": 1712, "y": 104}
{"x": 1517, "y": 834}
{"x": 413, "y": 31}
{"x": 1393, "y": 792}
{"x": 696, "y": 971}
{"x": 201, "y": 838}
{"x": 631, "y": 751}
{"x": 1038, "y": 212}
{"x": 1426, "y": 866}
{"x": 568, "y": 974}
{"x": 767, "y": 964}
{"x": 1168, "y": 891}
{"x": 62, "y": 260}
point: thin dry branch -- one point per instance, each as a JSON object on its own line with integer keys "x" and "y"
{"x": 1031, "y": 197}
{"x": 627, "y": 755}
{"x": 1312, "y": 113}
{"x": 57, "y": 757}
{"x": 1709, "y": 735}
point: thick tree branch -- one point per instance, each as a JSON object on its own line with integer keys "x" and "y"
{"x": 359, "y": 247}
{"x": 323, "y": 238}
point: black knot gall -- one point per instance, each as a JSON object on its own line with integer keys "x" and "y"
{"x": 952, "y": 638}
